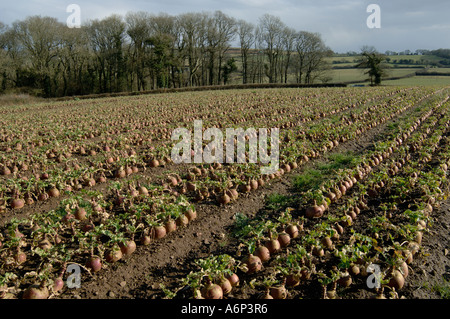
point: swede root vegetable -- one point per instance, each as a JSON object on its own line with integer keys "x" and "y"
{"x": 318, "y": 251}
{"x": 286, "y": 167}
{"x": 234, "y": 279}
{"x": 170, "y": 226}
{"x": 262, "y": 252}
{"x": 253, "y": 184}
{"x": 233, "y": 193}
{"x": 145, "y": 239}
{"x": 191, "y": 214}
{"x": 397, "y": 280}
{"x": 43, "y": 196}
{"x": 120, "y": 173}
{"x": 314, "y": 212}
{"x": 253, "y": 263}
{"x": 113, "y": 255}
{"x": 278, "y": 292}
{"x": 172, "y": 181}
{"x": 20, "y": 257}
{"x": 305, "y": 274}
{"x": 58, "y": 284}
{"x": 418, "y": 238}
{"x": 154, "y": 163}
{"x": 413, "y": 247}
{"x": 94, "y": 263}
{"x": 36, "y": 292}
{"x": 292, "y": 230}
{"x": 354, "y": 270}
{"x": 128, "y": 247}
{"x": 327, "y": 242}
{"x": 273, "y": 245}
{"x": 182, "y": 221}
{"x": 101, "y": 178}
{"x": 244, "y": 188}
{"x": 345, "y": 280}
{"x": 29, "y": 199}
{"x": 225, "y": 285}
{"x": 223, "y": 199}
{"x": 266, "y": 295}
{"x": 409, "y": 256}
{"x": 128, "y": 170}
{"x": 339, "y": 229}
{"x": 404, "y": 269}
{"x": 17, "y": 203}
{"x": 159, "y": 231}
{"x": 292, "y": 280}
{"x": 143, "y": 191}
{"x": 284, "y": 239}
{"x": 212, "y": 291}
{"x": 261, "y": 182}
{"x": 190, "y": 186}
{"x": 332, "y": 294}
{"x": 5, "y": 171}
{"x": 54, "y": 192}
{"x": 80, "y": 213}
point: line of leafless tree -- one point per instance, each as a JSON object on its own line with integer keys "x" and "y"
{"x": 142, "y": 51}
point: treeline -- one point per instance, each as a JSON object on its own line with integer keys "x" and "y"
{"x": 442, "y": 53}
{"x": 141, "y": 51}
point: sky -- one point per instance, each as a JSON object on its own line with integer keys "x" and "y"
{"x": 404, "y": 24}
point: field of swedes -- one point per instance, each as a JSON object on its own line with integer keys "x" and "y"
{"x": 91, "y": 185}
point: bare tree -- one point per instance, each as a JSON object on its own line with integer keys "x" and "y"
{"x": 311, "y": 54}
{"x": 39, "y": 37}
{"x": 73, "y": 60}
{"x": 193, "y": 29}
{"x": 165, "y": 32}
{"x": 227, "y": 28}
{"x": 4, "y": 58}
{"x": 142, "y": 51}
{"x": 301, "y": 40}
{"x": 138, "y": 30}
{"x": 270, "y": 31}
{"x": 107, "y": 39}
{"x": 220, "y": 31}
{"x": 288, "y": 40}
{"x": 258, "y": 61}
{"x": 246, "y": 40}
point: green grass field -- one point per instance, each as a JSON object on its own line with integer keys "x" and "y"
{"x": 347, "y": 75}
{"x": 421, "y": 81}
{"x": 396, "y": 69}
{"x": 417, "y": 60}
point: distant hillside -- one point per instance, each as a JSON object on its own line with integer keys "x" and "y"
{"x": 434, "y": 59}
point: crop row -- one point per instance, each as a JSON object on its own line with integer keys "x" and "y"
{"x": 323, "y": 252}
{"x": 99, "y": 229}
{"x": 225, "y": 182}
{"x": 40, "y": 170}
